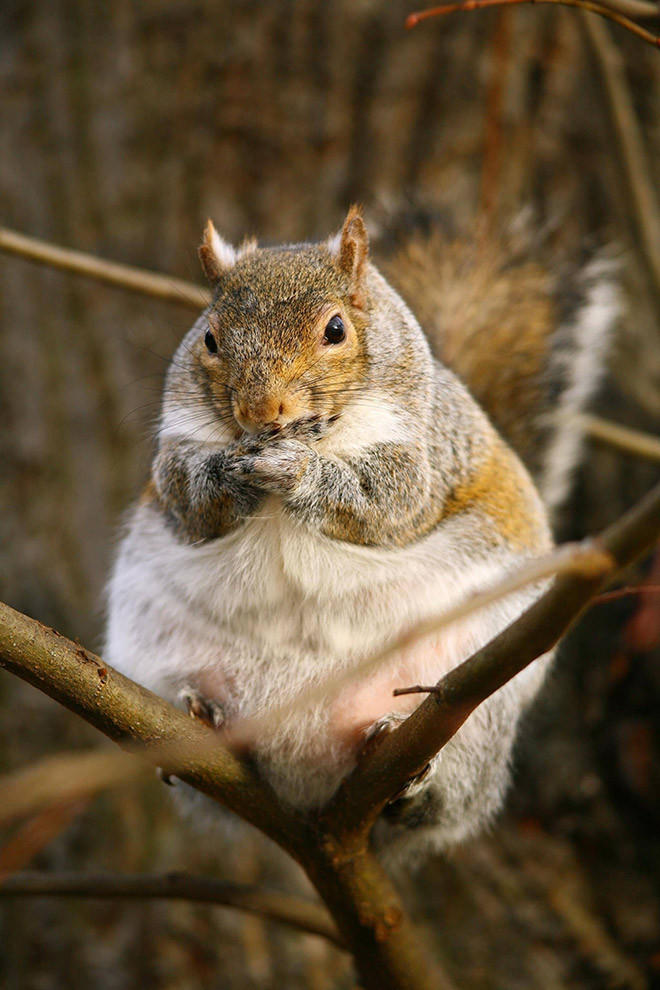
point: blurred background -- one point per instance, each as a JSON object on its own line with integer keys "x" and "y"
{"x": 125, "y": 125}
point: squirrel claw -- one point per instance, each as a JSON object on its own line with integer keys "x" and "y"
{"x": 374, "y": 737}
{"x": 205, "y": 710}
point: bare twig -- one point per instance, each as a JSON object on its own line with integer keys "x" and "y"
{"x": 300, "y": 914}
{"x": 571, "y": 558}
{"x": 622, "y": 437}
{"x": 500, "y": 51}
{"x": 65, "y": 777}
{"x": 635, "y": 8}
{"x": 603, "y": 599}
{"x": 407, "y": 750}
{"x": 629, "y": 144}
{"x": 123, "y": 276}
{"x": 39, "y": 831}
{"x": 626, "y": 592}
{"x": 610, "y": 12}
{"x": 333, "y": 846}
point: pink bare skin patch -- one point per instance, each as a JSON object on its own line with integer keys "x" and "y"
{"x": 361, "y": 704}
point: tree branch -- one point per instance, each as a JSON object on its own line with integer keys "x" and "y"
{"x": 293, "y": 911}
{"x": 123, "y": 276}
{"x": 407, "y": 750}
{"x": 622, "y": 437}
{"x": 63, "y": 777}
{"x": 629, "y": 144}
{"x": 610, "y": 10}
{"x": 136, "y": 718}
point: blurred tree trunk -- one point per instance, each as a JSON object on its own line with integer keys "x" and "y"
{"x": 123, "y": 126}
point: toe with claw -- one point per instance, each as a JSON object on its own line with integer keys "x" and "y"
{"x": 206, "y": 710}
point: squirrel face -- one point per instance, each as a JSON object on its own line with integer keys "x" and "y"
{"x": 284, "y": 338}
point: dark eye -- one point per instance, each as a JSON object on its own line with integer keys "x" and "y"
{"x": 335, "y": 331}
{"x": 211, "y": 343}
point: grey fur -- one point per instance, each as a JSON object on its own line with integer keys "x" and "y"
{"x": 266, "y": 560}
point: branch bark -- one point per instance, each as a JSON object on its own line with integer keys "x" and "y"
{"x": 295, "y": 912}
{"x": 360, "y": 897}
{"x": 407, "y": 750}
{"x": 123, "y": 276}
{"x": 134, "y": 717}
{"x": 333, "y": 845}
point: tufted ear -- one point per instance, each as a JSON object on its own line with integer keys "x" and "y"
{"x": 352, "y": 250}
{"x": 215, "y": 254}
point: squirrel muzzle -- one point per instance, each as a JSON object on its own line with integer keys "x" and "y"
{"x": 253, "y": 411}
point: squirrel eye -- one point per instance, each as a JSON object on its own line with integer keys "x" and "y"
{"x": 211, "y": 343}
{"x": 334, "y": 332}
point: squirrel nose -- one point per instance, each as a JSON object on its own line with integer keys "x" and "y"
{"x": 255, "y": 412}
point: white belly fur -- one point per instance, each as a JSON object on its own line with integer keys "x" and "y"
{"x": 255, "y": 616}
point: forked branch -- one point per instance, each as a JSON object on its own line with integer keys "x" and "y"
{"x": 332, "y": 847}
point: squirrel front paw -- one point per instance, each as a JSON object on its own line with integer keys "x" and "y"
{"x": 206, "y": 710}
{"x": 275, "y": 459}
{"x": 277, "y": 467}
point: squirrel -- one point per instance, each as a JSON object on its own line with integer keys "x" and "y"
{"x": 328, "y": 473}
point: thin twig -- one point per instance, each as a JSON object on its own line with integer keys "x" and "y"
{"x": 626, "y": 592}
{"x": 333, "y": 846}
{"x": 500, "y": 50}
{"x": 122, "y": 276}
{"x": 629, "y": 145}
{"x": 634, "y": 8}
{"x": 622, "y": 437}
{"x": 610, "y": 12}
{"x": 65, "y": 777}
{"x": 36, "y": 833}
{"x": 603, "y": 599}
{"x": 300, "y": 914}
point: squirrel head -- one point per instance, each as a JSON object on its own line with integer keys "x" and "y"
{"x": 284, "y": 336}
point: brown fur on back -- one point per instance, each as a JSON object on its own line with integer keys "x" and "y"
{"x": 489, "y": 320}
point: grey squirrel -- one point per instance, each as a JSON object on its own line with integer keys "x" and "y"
{"x": 324, "y": 478}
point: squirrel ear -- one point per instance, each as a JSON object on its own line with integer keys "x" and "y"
{"x": 215, "y": 254}
{"x": 352, "y": 252}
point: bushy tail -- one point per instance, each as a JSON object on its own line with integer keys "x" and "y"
{"x": 531, "y": 344}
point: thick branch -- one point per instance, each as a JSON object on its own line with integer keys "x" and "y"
{"x": 293, "y": 911}
{"x": 361, "y": 899}
{"x": 369, "y": 914}
{"x": 124, "y": 276}
{"x": 138, "y": 719}
{"x": 406, "y": 750}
